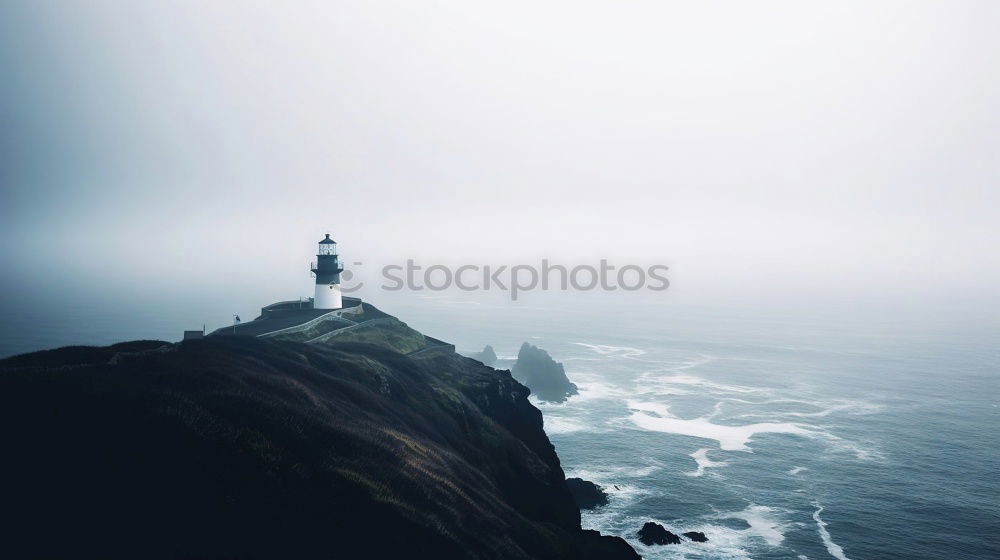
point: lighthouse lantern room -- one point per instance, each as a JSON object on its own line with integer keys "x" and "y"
{"x": 327, "y": 270}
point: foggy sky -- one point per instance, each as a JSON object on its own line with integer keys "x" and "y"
{"x": 760, "y": 149}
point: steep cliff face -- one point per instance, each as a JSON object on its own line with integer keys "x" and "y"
{"x": 241, "y": 447}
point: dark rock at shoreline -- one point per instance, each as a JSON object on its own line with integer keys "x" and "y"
{"x": 488, "y": 356}
{"x": 242, "y": 447}
{"x": 544, "y": 376}
{"x": 587, "y": 494}
{"x": 654, "y": 533}
{"x": 696, "y": 536}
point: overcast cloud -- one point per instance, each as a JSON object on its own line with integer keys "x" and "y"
{"x": 842, "y": 149}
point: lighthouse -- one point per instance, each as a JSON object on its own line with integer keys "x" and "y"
{"x": 327, "y": 270}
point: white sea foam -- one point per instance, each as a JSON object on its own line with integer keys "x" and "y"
{"x": 736, "y": 437}
{"x": 796, "y": 470}
{"x": 607, "y": 349}
{"x": 563, "y": 425}
{"x": 826, "y": 407}
{"x": 740, "y": 401}
{"x": 765, "y": 528}
{"x": 730, "y": 438}
{"x": 689, "y": 364}
{"x": 701, "y": 458}
{"x": 659, "y": 390}
{"x": 764, "y": 523}
{"x": 821, "y": 413}
{"x": 829, "y": 407}
{"x": 860, "y": 452}
{"x": 655, "y": 408}
{"x": 716, "y": 410}
{"x": 833, "y": 548}
{"x": 612, "y": 476}
{"x": 588, "y": 391}
{"x": 595, "y": 390}
{"x": 657, "y": 382}
{"x": 645, "y": 471}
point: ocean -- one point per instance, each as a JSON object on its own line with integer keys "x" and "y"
{"x": 779, "y": 436}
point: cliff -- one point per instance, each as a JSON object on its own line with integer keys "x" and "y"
{"x": 254, "y": 448}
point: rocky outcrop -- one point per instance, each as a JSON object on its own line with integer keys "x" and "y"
{"x": 544, "y": 376}
{"x": 654, "y": 533}
{"x": 586, "y": 494}
{"x": 243, "y": 447}
{"x": 488, "y": 356}
{"x": 696, "y": 536}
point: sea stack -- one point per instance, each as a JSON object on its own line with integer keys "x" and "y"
{"x": 544, "y": 376}
{"x": 488, "y": 356}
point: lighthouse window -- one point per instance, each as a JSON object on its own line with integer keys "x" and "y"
{"x": 328, "y": 249}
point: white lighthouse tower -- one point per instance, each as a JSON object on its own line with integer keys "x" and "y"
{"x": 327, "y": 270}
